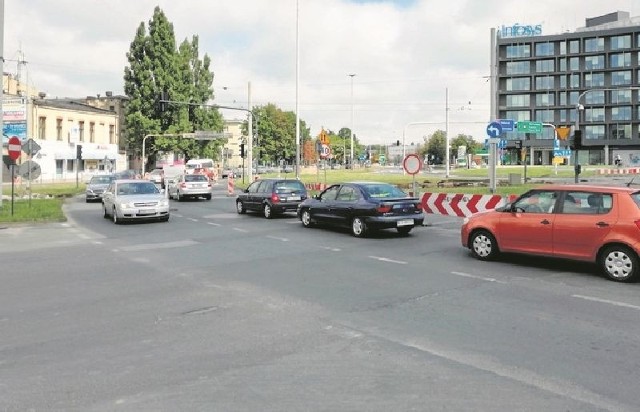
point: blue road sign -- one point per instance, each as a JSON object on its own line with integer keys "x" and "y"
{"x": 502, "y": 144}
{"x": 508, "y": 125}
{"x": 494, "y": 129}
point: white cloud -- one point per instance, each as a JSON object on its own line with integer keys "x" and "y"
{"x": 404, "y": 56}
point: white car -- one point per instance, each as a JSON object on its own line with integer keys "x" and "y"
{"x": 184, "y": 186}
{"x": 134, "y": 200}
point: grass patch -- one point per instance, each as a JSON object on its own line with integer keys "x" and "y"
{"x": 40, "y": 210}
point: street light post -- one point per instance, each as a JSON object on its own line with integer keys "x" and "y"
{"x": 351, "y": 128}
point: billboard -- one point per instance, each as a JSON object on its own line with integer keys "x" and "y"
{"x": 14, "y": 119}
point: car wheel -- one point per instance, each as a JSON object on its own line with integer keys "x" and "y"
{"x": 305, "y": 217}
{"x": 105, "y": 214}
{"x": 208, "y": 197}
{"x": 405, "y": 230}
{"x": 178, "y": 196}
{"x": 619, "y": 263}
{"x": 358, "y": 227}
{"x": 114, "y": 216}
{"x": 483, "y": 245}
{"x": 267, "y": 211}
{"x": 240, "y": 207}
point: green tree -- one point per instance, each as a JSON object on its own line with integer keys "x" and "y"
{"x": 155, "y": 66}
{"x": 464, "y": 140}
{"x": 435, "y": 146}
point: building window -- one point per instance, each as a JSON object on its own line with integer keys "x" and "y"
{"x": 621, "y": 42}
{"x": 518, "y": 67}
{"x": 573, "y": 98}
{"x": 545, "y": 116}
{"x": 622, "y": 77}
{"x": 81, "y": 130}
{"x": 620, "y": 60}
{"x": 594, "y": 45}
{"x": 594, "y": 97}
{"x": 545, "y": 99}
{"x": 92, "y": 132}
{"x": 594, "y": 80}
{"x": 563, "y": 64}
{"x": 518, "y": 100}
{"x": 563, "y": 116}
{"x": 574, "y": 81}
{"x": 112, "y": 134}
{"x": 545, "y": 49}
{"x": 544, "y": 66}
{"x": 59, "y": 129}
{"x": 574, "y": 64}
{"x": 563, "y": 81}
{"x": 594, "y": 132}
{"x": 519, "y": 50}
{"x": 595, "y": 114}
{"x": 42, "y": 127}
{"x": 563, "y": 47}
{"x": 594, "y": 62}
{"x": 620, "y": 96}
{"x": 574, "y": 46}
{"x": 545, "y": 82}
{"x": 519, "y": 84}
{"x": 518, "y": 115}
{"x": 621, "y": 113}
{"x": 621, "y": 131}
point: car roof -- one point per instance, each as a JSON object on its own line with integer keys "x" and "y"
{"x": 591, "y": 188}
{"x": 131, "y": 181}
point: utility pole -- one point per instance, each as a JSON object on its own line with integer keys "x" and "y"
{"x": 1, "y": 93}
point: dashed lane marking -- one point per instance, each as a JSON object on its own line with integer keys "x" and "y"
{"x": 468, "y": 275}
{"x": 282, "y": 239}
{"x": 610, "y": 302}
{"x": 384, "y": 259}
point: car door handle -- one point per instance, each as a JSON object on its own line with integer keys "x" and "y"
{"x": 545, "y": 222}
{"x": 602, "y": 224}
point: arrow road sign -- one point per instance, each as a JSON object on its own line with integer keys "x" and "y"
{"x": 494, "y": 129}
{"x": 529, "y": 127}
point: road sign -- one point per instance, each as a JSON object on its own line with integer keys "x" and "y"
{"x": 30, "y": 147}
{"x": 502, "y": 144}
{"x": 325, "y": 152}
{"x": 562, "y": 152}
{"x": 494, "y": 129}
{"x": 529, "y": 127}
{"x": 29, "y": 170}
{"x": 14, "y": 148}
{"x": 563, "y": 132}
{"x": 508, "y": 125}
{"x": 412, "y": 164}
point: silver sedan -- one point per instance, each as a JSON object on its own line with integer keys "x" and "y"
{"x": 135, "y": 200}
{"x": 189, "y": 185}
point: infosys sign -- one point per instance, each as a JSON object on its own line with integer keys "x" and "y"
{"x": 520, "y": 31}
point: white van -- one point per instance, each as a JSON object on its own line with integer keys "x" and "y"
{"x": 205, "y": 166}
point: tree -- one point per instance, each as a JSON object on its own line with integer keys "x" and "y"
{"x": 155, "y": 66}
{"x": 435, "y": 147}
{"x": 464, "y": 140}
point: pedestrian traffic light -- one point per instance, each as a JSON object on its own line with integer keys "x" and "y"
{"x": 577, "y": 140}
{"x": 242, "y": 150}
{"x": 78, "y": 151}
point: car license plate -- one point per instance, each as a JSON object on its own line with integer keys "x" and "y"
{"x": 147, "y": 212}
{"x": 405, "y": 222}
{"x": 294, "y": 198}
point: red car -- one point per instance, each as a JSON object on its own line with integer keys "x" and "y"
{"x": 599, "y": 224}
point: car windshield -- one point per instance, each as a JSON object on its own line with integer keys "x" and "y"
{"x": 383, "y": 191}
{"x": 288, "y": 186}
{"x": 137, "y": 188}
{"x": 195, "y": 178}
{"x": 101, "y": 180}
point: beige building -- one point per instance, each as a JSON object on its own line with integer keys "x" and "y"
{"x": 230, "y": 151}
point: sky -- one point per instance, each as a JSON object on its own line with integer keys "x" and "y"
{"x": 418, "y": 65}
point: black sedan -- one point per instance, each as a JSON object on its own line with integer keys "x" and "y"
{"x": 363, "y": 207}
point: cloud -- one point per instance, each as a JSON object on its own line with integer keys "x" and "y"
{"x": 406, "y": 54}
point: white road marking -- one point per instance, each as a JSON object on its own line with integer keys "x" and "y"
{"x": 97, "y": 242}
{"x": 282, "y": 239}
{"x": 384, "y": 259}
{"x": 214, "y": 224}
{"x": 237, "y": 229}
{"x": 192, "y": 219}
{"x": 177, "y": 215}
{"x": 467, "y": 275}
{"x": 610, "y": 302}
{"x": 151, "y": 246}
{"x": 294, "y": 222}
{"x": 333, "y": 249}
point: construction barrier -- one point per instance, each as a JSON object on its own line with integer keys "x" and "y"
{"x": 230, "y": 186}
{"x": 619, "y": 171}
{"x": 462, "y": 205}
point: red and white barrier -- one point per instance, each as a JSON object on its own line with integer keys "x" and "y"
{"x": 230, "y": 186}
{"x": 619, "y": 171}
{"x": 461, "y": 205}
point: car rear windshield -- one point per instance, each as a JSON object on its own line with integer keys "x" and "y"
{"x": 383, "y": 190}
{"x": 195, "y": 178}
{"x": 288, "y": 186}
{"x": 98, "y": 180}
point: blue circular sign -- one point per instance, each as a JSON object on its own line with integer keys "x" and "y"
{"x": 494, "y": 129}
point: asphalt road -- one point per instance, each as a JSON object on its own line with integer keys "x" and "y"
{"x": 218, "y": 311}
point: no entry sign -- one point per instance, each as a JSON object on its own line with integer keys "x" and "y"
{"x": 14, "y": 148}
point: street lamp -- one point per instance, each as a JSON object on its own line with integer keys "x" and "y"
{"x": 351, "y": 128}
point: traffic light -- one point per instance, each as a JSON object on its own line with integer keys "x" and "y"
{"x": 162, "y": 101}
{"x": 397, "y": 142}
{"x": 242, "y": 150}
{"x": 577, "y": 140}
{"x": 78, "y": 151}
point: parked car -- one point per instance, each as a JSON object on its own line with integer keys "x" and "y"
{"x": 134, "y": 200}
{"x": 157, "y": 177}
{"x": 363, "y": 207}
{"x": 579, "y": 222}
{"x": 189, "y": 185}
{"x": 96, "y": 187}
{"x": 271, "y": 196}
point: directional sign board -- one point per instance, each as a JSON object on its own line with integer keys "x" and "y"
{"x": 562, "y": 152}
{"x": 494, "y": 129}
{"x": 529, "y": 127}
{"x": 508, "y": 125}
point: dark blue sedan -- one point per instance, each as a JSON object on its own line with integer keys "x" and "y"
{"x": 363, "y": 207}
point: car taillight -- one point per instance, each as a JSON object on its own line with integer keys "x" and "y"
{"x": 383, "y": 208}
{"x": 275, "y": 198}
